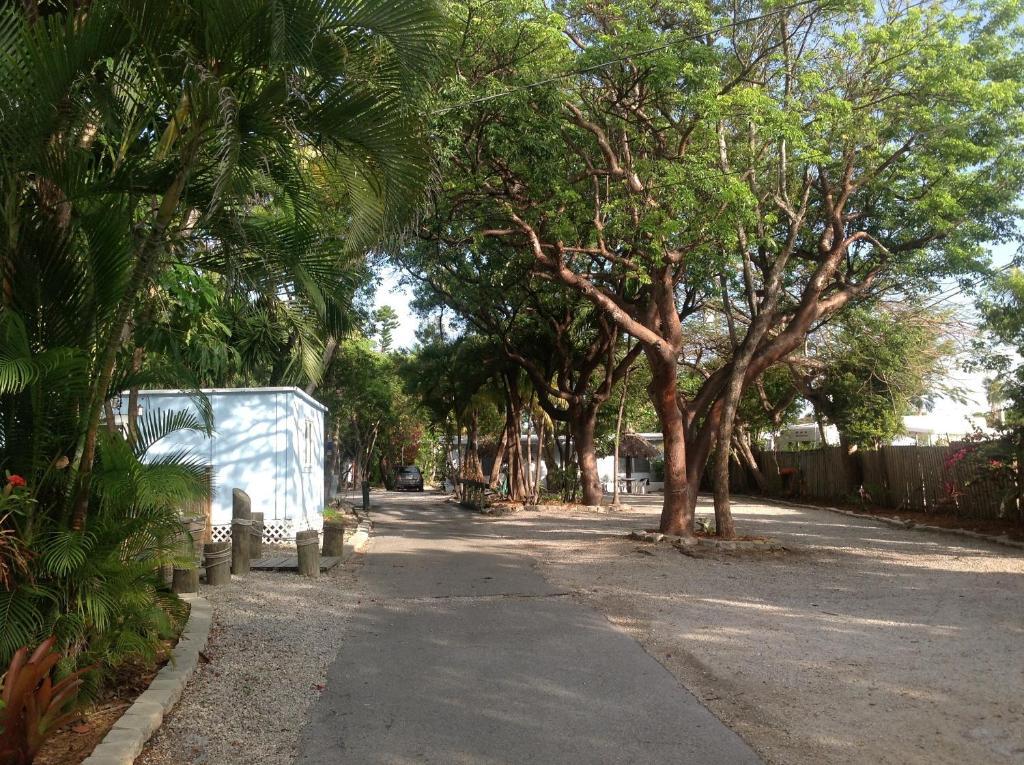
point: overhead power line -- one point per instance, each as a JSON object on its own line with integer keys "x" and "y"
{"x": 946, "y": 295}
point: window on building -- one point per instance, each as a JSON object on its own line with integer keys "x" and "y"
{"x": 307, "y": 456}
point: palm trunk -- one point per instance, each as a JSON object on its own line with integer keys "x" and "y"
{"x": 149, "y": 251}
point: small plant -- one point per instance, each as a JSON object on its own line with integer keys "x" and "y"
{"x": 704, "y": 524}
{"x": 32, "y": 706}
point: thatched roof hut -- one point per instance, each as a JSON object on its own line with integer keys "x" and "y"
{"x": 637, "y": 447}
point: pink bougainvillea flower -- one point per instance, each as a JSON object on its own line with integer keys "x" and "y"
{"x": 15, "y": 481}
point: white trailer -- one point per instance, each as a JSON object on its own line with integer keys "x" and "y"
{"x": 269, "y": 442}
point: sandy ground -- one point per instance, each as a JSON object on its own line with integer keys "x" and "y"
{"x": 273, "y": 636}
{"x": 864, "y": 644}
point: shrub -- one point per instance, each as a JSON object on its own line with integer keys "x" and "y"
{"x": 32, "y": 705}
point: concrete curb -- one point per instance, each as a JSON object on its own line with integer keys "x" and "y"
{"x": 125, "y": 741}
{"x": 357, "y": 542}
{"x": 907, "y": 525}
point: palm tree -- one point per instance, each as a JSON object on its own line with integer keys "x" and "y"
{"x": 139, "y": 135}
{"x": 260, "y": 141}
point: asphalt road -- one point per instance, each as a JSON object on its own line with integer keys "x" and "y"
{"x": 461, "y": 653}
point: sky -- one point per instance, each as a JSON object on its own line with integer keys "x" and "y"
{"x": 390, "y": 292}
{"x": 946, "y": 410}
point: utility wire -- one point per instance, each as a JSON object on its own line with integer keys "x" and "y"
{"x": 957, "y": 289}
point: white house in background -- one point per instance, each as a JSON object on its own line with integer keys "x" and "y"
{"x": 633, "y": 467}
{"x": 918, "y": 429}
{"x": 269, "y": 442}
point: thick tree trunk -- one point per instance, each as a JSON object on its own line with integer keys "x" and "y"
{"x": 618, "y": 438}
{"x": 540, "y": 441}
{"x": 513, "y": 415}
{"x": 680, "y": 494}
{"x": 852, "y": 463}
{"x": 584, "y": 424}
{"x": 516, "y": 484}
{"x": 471, "y": 469}
{"x": 749, "y": 461}
{"x": 499, "y": 457}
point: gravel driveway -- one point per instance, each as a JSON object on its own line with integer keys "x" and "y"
{"x": 273, "y": 636}
{"x": 864, "y": 644}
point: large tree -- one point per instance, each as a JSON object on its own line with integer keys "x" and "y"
{"x": 566, "y": 347}
{"x": 872, "y": 368}
{"x": 775, "y": 162}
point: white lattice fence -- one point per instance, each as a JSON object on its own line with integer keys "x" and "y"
{"x": 273, "y": 531}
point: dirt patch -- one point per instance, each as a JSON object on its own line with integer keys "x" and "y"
{"x": 871, "y": 644}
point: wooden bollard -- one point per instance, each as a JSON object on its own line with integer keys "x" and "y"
{"x": 185, "y": 580}
{"x": 334, "y": 539}
{"x": 307, "y": 544}
{"x": 241, "y": 522}
{"x": 218, "y": 563}
{"x": 256, "y": 537}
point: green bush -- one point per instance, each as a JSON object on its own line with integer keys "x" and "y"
{"x": 99, "y": 590}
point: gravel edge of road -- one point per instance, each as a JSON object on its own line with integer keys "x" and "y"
{"x": 274, "y": 636}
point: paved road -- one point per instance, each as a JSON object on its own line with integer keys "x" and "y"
{"x": 461, "y": 653}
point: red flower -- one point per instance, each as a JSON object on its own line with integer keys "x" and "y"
{"x": 15, "y": 481}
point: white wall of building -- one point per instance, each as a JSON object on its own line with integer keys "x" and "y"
{"x": 269, "y": 442}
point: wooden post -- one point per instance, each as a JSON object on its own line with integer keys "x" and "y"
{"x": 256, "y": 537}
{"x": 218, "y": 563}
{"x": 307, "y": 544}
{"x": 334, "y": 538}
{"x": 241, "y": 521}
{"x": 185, "y": 580}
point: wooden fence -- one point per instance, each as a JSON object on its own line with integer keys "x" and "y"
{"x": 916, "y": 478}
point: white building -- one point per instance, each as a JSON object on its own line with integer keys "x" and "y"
{"x": 269, "y": 442}
{"x": 918, "y": 429}
{"x": 635, "y": 468}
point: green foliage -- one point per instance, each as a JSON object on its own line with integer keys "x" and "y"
{"x": 377, "y": 424}
{"x": 99, "y": 591}
{"x": 681, "y": 166}
{"x": 877, "y": 365}
{"x": 187, "y": 193}
{"x": 1002, "y": 459}
{"x": 1002, "y": 307}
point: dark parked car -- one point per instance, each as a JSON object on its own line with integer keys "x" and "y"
{"x": 408, "y": 478}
